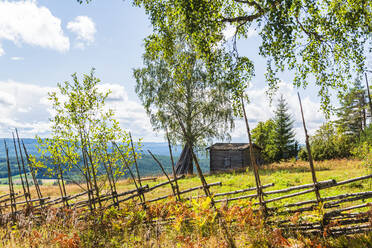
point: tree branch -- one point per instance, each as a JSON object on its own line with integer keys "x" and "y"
{"x": 249, "y": 18}
{"x": 309, "y": 33}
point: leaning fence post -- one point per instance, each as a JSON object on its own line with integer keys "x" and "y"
{"x": 13, "y": 206}
{"x": 313, "y": 174}
{"x": 39, "y": 195}
{"x": 112, "y": 177}
{"x": 113, "y": 192}
{"x": 92, "y": 204}
{"x": 369, "y": 94}
{"x": 20, "y": 171}
{"x": 173, "y": 169}
{"x": 135, "y": 163}
{"x": 165, "y": 173}
{"x": 139, "y": 190}
{"x": 63, "y": 188}
{"x": 309, "y": 153}
{"x": 253, "y": 161}
{"x": 23, "y": 166}
{"x": 94, "y": 173}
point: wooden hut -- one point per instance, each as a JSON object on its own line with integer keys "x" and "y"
{"x": 232, "y": 156}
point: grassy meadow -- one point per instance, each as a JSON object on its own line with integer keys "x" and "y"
{"x": 283, "y": 175}
{"x": 124, "y": 228}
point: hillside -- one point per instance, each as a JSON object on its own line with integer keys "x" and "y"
{"x": 147, "y": 166}
{"x": 158, "y": 148}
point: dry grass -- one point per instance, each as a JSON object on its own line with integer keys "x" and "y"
{"x": 284, "y": 174}
{"x": 121, "y": 229}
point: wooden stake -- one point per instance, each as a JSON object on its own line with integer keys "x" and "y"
{"x": 11, "y": 188}
{"x": 131, "y": 174}
{"x": 23, "y": 166}
{"x": 110, "y": 179}
{"x": 92, "y": 205}
{"x": 369, "y": 95}
{"x": 36, "y": 184}
{"x": 186, "y": 191}
{"x": 165, "y": 183}
{"x": 173, "y": 169}
{"x": 253, "y": 161}
{"x": 20, "y": 170}
{"x": 165, "y": 173}
{"x": 316, "y": 186}
{"x": 63, "y": 188}
{"x": 135, "y": 163}
{"x": 94, "y": 173}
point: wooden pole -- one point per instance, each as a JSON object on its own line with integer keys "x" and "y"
{"x": 135, "y": 163}
{"x": 369, "y": 95}
{"x": 11, "y": 188}
{"x": 316, "y": 186}
{"x": 86, "y": 173}
{"x": 253, "y": 161}
{"x": 64, "y": 193}
{"x": 113, "y": 192}
{"x": 20, "y": 170}
{"x": 94, "y": 173}
{"x": 173, "y": 169}
{"x": 165, "y": 173}
{"x": 243, "y": 190}
{"x": 112, "y": 177}
{"x": 164, "y": 183}
{"x": 60, "y": 190}
{"x": 140, "y": 192}
{"x": 23, "y": 166}
{"x": 187, "y": 191}
{"x": 36, "y": 184}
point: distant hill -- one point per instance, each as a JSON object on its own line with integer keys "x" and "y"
{"x": 31, "y": 145}
{"x": 147, "y": 165}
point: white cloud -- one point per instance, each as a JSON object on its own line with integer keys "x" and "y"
{"x": 84, "y": 28}
{"x": 259, "y": 109}
{"x": 17, "y": 58}
{"x": 26, "y": 22}
{"x": 2, "y": 52}
{"x": 26, "y": 107}
{"x": 130, "y": 114}
{"x": 6, "y": 99}
{"x": 23, "y": 109}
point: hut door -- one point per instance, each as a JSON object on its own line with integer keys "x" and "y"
{"x": 227, "y": 162}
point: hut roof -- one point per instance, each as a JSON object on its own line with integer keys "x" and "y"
{"x": 232, "y": 146}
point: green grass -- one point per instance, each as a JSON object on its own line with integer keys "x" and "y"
{"x": 283, "y": 175}
{"x": 120, "y": 227}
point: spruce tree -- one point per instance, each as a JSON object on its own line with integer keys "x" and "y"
{"x": 285, "y": 136}
{"x": 352, "y": 114}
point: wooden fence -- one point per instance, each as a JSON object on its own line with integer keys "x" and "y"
{"x": 333, "y": 215}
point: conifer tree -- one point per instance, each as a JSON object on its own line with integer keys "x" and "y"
{"x": 352, "y": 114}
{"x": 285, "y": 136}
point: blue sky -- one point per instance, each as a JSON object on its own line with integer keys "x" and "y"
{"x": 42, "y": 42}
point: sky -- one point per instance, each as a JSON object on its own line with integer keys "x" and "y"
{"x": 43, "y": 42}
